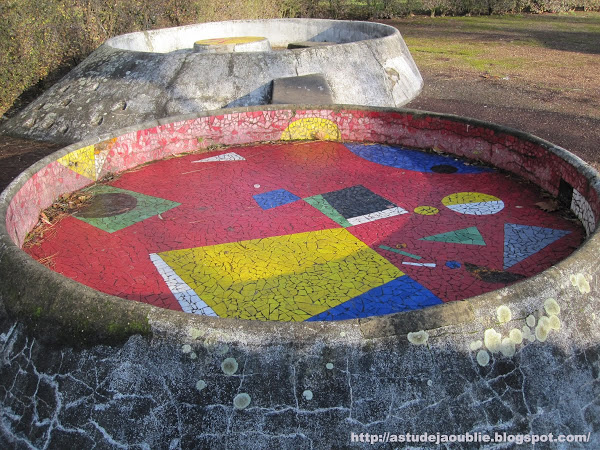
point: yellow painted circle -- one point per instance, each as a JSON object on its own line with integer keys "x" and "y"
{"x": 310, "y": 128}
{"x": 460, "y": 198}
{"x": 426, "y": 210}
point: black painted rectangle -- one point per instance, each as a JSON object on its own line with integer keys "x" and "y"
{"x": 357, "y": 201}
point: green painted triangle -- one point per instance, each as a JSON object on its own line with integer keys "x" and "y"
{"x": 469, "y": 235}
{"x": 147, "y": 206}
{"x": 317, "y": 201}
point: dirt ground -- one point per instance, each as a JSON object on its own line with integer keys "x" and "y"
{"x": 537, "y": 73}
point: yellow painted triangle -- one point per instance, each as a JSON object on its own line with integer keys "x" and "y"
{"x": 81, "y": 161}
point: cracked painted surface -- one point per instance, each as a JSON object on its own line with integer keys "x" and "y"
{"x": 329, "y": 234}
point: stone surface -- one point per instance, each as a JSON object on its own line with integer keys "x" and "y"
{"x": 141, "y": 76}
{"x": 308, "y": 89}
{"x": 144, "y": 393}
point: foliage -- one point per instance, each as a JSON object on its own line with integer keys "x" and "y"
{"x": 40, "y": 40}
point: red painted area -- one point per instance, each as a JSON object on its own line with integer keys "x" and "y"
{"x": 217, "y": 206}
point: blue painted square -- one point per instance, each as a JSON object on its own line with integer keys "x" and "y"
{"x": 272, "y": 199}
{"x": 401, "y": 294}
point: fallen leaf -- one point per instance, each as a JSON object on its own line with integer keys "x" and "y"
{"x": 548, "y": 205}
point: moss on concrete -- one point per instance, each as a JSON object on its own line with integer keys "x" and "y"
{"x": 60, "y": 311}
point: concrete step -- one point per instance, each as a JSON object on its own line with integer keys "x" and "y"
{"x": 307, "y": 44}
{"x": 306, "y": 89}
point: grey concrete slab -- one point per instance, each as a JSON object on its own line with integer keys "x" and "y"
{"x": 308, "y": 44}
{"x": 309, "y": 89}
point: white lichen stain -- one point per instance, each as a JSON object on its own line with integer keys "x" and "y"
{"x": 530, "y": 320}
{"x": 504, "y": 314}
{"x": 241, "y": 401}
{"x": 193, "y": 355}
{"x": 542, "y": 329}
{"x": 429, "y": 383}
{"x": 186, "y": 348}
{"x": 574, "y": 280}
{"x": 229, "y": 366}
{"x": 527, "y": 334}
{"x": 582, "y": 284}
{"x": 516, "y": 336}
{"x": 418, "y": 337}
{"x": 492, "y": 340}
{"x": 475, "y": 345}
{"x": 195, "y": 333}
{"x": 507, "y": 347}
{"x": 308, "y": 395}
{"x": 551, "y": 307}
{"x": 483, "y": 358}
{"x": 200, "y": 384}
{"x": 554, "y": 322}
{"x": 329, "y": 366}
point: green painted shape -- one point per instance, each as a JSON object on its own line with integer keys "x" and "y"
{"x": 470, "y": 236}
{"x": 147, "y": 206}
{"x": 395, "y": 250}
{"x": 323, "y": 205}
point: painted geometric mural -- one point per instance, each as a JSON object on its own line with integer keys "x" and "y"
{"x": 305, "y": 231}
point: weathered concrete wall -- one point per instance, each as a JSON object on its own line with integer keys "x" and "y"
{"x": 137, "y": 77}
{"x": 174, "y": 384}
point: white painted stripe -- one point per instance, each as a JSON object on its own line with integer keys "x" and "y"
{"x": 377, "y": 215}
{"x": 408, "y": 263}
{"x": 583, "y": 211}
{"x": 231, "y": 156}
{"x": 187, "y": 298}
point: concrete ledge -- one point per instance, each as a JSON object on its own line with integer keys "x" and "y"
{"x": 308, "y": 44}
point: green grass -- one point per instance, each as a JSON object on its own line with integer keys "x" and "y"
{"x": 499, "y": 45}
{"x": 471, "y": 55}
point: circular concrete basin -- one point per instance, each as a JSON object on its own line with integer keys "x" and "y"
{"x": 440, "y": 227}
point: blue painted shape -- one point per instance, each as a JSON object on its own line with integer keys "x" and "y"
{"x": 403, "y": 158}
{"x": 522, "y": 241}
{"x": 453, "y": 264}
{"x": 401, "y": 294}
{"x": 272, "y": 199}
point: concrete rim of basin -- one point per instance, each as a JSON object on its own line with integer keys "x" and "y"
{"x": 59, "y": 309}
{"x": 277, "y": 31}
